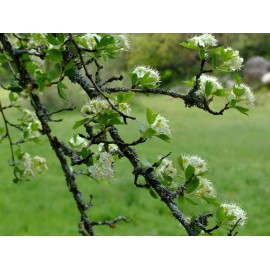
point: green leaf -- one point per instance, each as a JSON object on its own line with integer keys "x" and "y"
{"x": 12, "y": 97}
{"x": 150, "y": 116}
{"x": 208, "y": 88}
{"x": 192, "y": 185}
{"x": 214, "y": 61}
{"x": 120, "y": 97}
{"x": 141, "y": 126}
{"x": 238, "y": 91}
{"x": 85, "y": 152}
{"x": 191, "y": 201}
{"x": 221, "y": 92}
{"x": 69, "y": 70}
{"x": 189, "y": 172}
{"x": 55, "y": 55}
{"x": 128, "y": 96}
{"x": 134, "y": 79}
{"x": 221, "y": 214}
{"x": 146, "y": 163}
{"x": 242, "y": 110}
{"x": 212, "y": 201}
{"x": 189, "y": 45}
{"x": 52, "y": 40}
{"x": 60, "y": 37}
{"x": 237, "y": 78}
{"x": 148, "y": 133}
{"x": 163, "y": 137}
{"x": 61, "y": 93}
{"x": 233, "y": 103}
{"x": 80, "y": 123}
{"x": 181, "y": 199}
{"x": 180, "y": 163}
{"x": 55, "y": 73}
{"x": 153, "y": 193}
{"x": 69, "y": 65}
{"x": 15, "y": 89}
{"x": 41, "y": 79}
{"x": 202, "y": 54}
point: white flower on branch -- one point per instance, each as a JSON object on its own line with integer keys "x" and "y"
{"x": 236, "y": 62}
{"x": 206, "y": 188}
{"x": 234, "y": 214}
{"x": 204, "y": 40}
{"x": 247, "y": 96}
{"x": 166, "y": 168}
{"x": 90, "y": 40}
{"x": 146, "y": 76}
{"x": 161, "y": 125}
{"x": 39, "y": 163}
{"x": 122, "y": 41}
{"x": 104, "y": 168}
{"x": 195, "y": 161}
{"x": 77, "y": 142}
{"x": 213, "y": 80}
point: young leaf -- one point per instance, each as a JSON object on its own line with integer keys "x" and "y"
{"x": 191, "y": 201}
{"x": 180, "y": 163}
{"x": 189, "y": 172}
{"x": 237, "y": 78}
{"x": 208, "y": 88}
{"x": 220, "y": 214}
{"x": 52, "y": 40}
{"x": 192, "y": 185}
{"x": 80, "y": 123}
{"x": 150, "y": 116}
{"x": 238, "y": 91}
{"x": 242, "y": 110}
{"x": 153, "y": 193}
{"x": 163, "y": 137}
{"x": 148, "y": 133}
{"x": 181, "y": 199}
{"x": 61, "y": 93}
{"x": 134, "y": 79}
{"x": 212, "y": 201}
{"x": 141, "y": 126}
{"x": 128, "y": 96}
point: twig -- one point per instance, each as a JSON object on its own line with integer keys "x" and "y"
{"x": 111, "y": 223}
{"x": 9, "y": 139}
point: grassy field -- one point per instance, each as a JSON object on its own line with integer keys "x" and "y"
{"x": 235, "y": 146}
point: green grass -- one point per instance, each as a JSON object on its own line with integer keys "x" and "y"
{"x": 235, "y": 146}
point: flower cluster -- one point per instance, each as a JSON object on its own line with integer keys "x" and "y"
{"x": 247, "y": 95}
{"x": 161, "y": 125}
{"x": 33, "y": 166}
{"x": 30, "y": 125}
{"x": 206, "y": 188}
{"x": 197, "y": 162}
{"x": 166, "y": 168}
{"x": 234, "y": 214}
{"x": 236, "y": 62}
{"x": 104, "y": 168}
{"x": 213, "y": 80}
{"x": 77, "y": 142}
{"x": 101, "y": 106}
{"x": 205, "y": 40}
{"x": 146, "y": 76}
{"x": 122, "y": 42}
{"x": 90, "y": 40}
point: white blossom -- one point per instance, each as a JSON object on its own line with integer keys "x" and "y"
{"x": 206, "y": 78}
{"x": 40, "y": 163}
{"x": 161, "y": 125}
{"x": 77, "y": 142}
{"x": 90, "y": 40}
{"x": 206, "y": 188}
{"x": 95, "y": 106}
{"x": 236, "y": 62}
{"x": 166, "y": 168}
{"x": 140, "y": 71}
{"x": 124, "y": 108}
{"x": 197, "y": 162}
{"x": 234, "y": 214}
{"x": 247, "y": 96}
{"x": 204, "y": 40}
{"x": 104, "y": 168}
{"x": 123, "y": 41}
